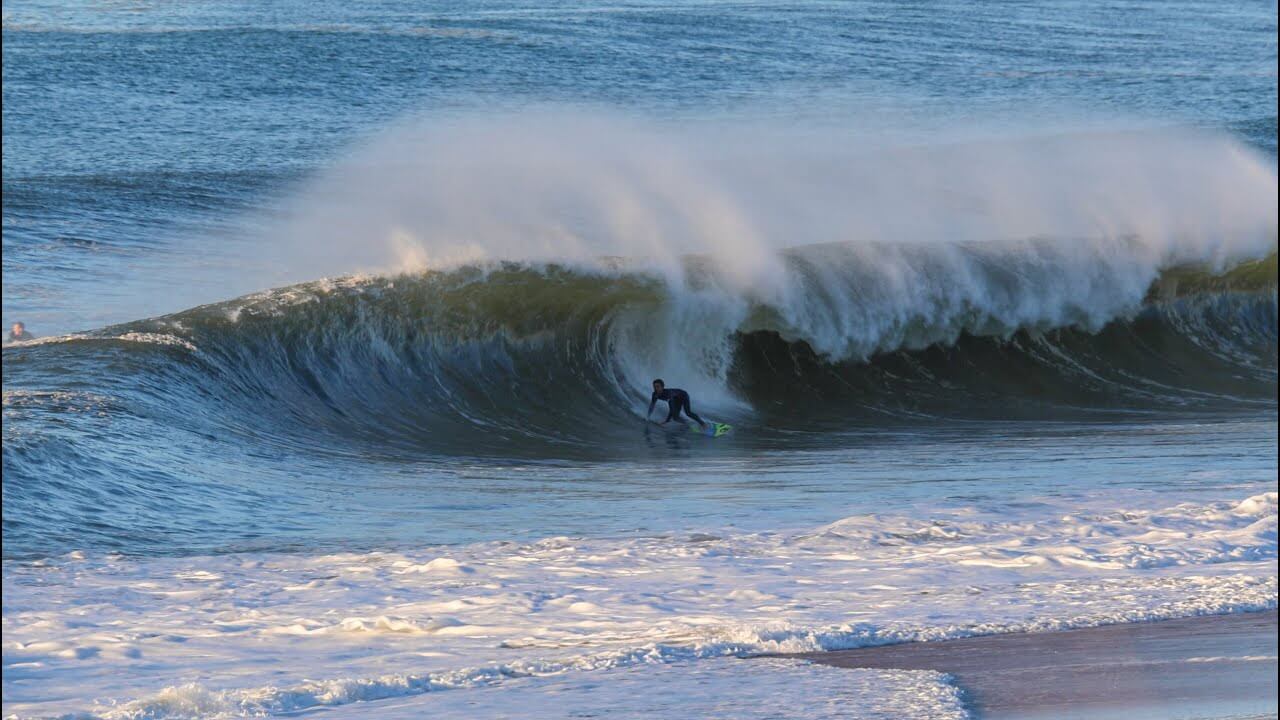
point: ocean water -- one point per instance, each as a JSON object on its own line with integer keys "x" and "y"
{"x": 347, "y": 315}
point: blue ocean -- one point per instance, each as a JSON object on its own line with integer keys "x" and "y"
{"x": 341, "y": 322}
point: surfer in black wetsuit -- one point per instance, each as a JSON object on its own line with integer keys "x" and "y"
{"x": 677, "y": 400}
{"x": 18, "y": 333}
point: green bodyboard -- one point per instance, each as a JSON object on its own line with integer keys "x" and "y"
{"x": 712, "y": 429}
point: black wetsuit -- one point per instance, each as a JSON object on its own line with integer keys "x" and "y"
{"x": 677, "y": 400}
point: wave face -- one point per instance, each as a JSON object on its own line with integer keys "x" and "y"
{"x": 241, "y": 425}
{"x": 534, "y": 359}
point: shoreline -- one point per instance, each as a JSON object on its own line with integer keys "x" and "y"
{"x": 1203, "y": 666}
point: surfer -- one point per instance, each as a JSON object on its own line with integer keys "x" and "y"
{"x": 677, "y": 400}
{"x": 18, "y": 333}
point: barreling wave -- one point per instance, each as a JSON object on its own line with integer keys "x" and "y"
{"x": 531, "y": 357}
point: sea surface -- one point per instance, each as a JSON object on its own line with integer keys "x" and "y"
{"x": 346, "y": 316}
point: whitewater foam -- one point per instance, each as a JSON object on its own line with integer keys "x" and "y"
{"x": 351, "y": 627}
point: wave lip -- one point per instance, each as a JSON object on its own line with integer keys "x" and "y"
{"x": 531, "y": 358}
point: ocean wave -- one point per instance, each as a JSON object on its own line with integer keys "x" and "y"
{"x": 521, "y": 350}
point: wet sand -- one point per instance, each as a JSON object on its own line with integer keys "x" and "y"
{"x": 1221, "y": 666}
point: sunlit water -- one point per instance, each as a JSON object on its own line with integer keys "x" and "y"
{"x": 375, "y": 482}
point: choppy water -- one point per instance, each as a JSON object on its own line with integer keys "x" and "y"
{"x": 993, "y": 286}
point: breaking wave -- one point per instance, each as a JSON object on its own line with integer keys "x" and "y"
{"x": 527, "y": 351}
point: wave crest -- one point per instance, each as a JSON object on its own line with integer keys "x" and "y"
{"x": 529, "y": 352}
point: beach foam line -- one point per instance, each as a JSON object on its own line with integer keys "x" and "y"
{"x": 764, "y": 689}
{"x": 119, "y": 637}
{"x": 194, "y": 700}
{"x": 767, "y": 689}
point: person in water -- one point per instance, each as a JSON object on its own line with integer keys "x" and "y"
{"x": 19, "y": 333}
{"x": 677, "y": 400}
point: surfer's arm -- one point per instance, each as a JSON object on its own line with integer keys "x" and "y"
{"x": 652, "y": 402}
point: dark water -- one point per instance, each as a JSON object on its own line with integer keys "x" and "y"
{"x": 149, "y": 148}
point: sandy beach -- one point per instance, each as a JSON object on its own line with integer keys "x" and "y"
{"x": 1201, "y": 667}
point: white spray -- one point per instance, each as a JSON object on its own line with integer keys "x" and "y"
{"x": 987, "y": 237}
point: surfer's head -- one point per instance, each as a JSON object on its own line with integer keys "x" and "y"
{"x": 658, "y": 385}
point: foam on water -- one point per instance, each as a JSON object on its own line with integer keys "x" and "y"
{"x": 728, "y": 688}
{"x": 118, "y": 637}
